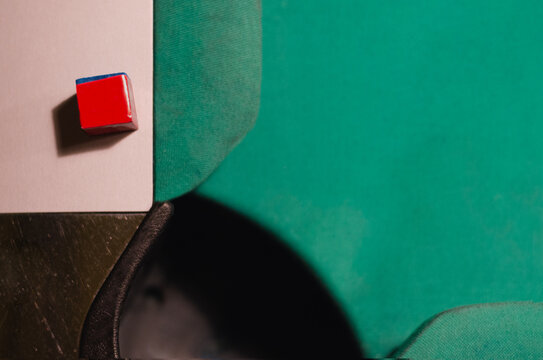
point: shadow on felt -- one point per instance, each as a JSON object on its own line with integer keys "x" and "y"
{"x": 217, "y": 285}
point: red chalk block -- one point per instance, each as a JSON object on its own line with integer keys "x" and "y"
{"x": 106, "y": 104}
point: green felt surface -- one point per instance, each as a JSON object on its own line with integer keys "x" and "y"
{"x": 399, "y": 151}
{"x": 487, "y": 331}
{"x": 207, "y": 72}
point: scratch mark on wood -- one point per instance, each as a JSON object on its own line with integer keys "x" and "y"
{"x": 61, "y": 230}
{"x": 17, "y": 224}
{"x": 46, "y": 323}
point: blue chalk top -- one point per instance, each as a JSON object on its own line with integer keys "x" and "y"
{"x": 99, "y": 77}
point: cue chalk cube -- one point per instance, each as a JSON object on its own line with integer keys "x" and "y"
{"x": 106, "y": 104}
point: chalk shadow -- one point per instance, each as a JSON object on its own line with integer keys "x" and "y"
{"x": 70, "y": 139}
